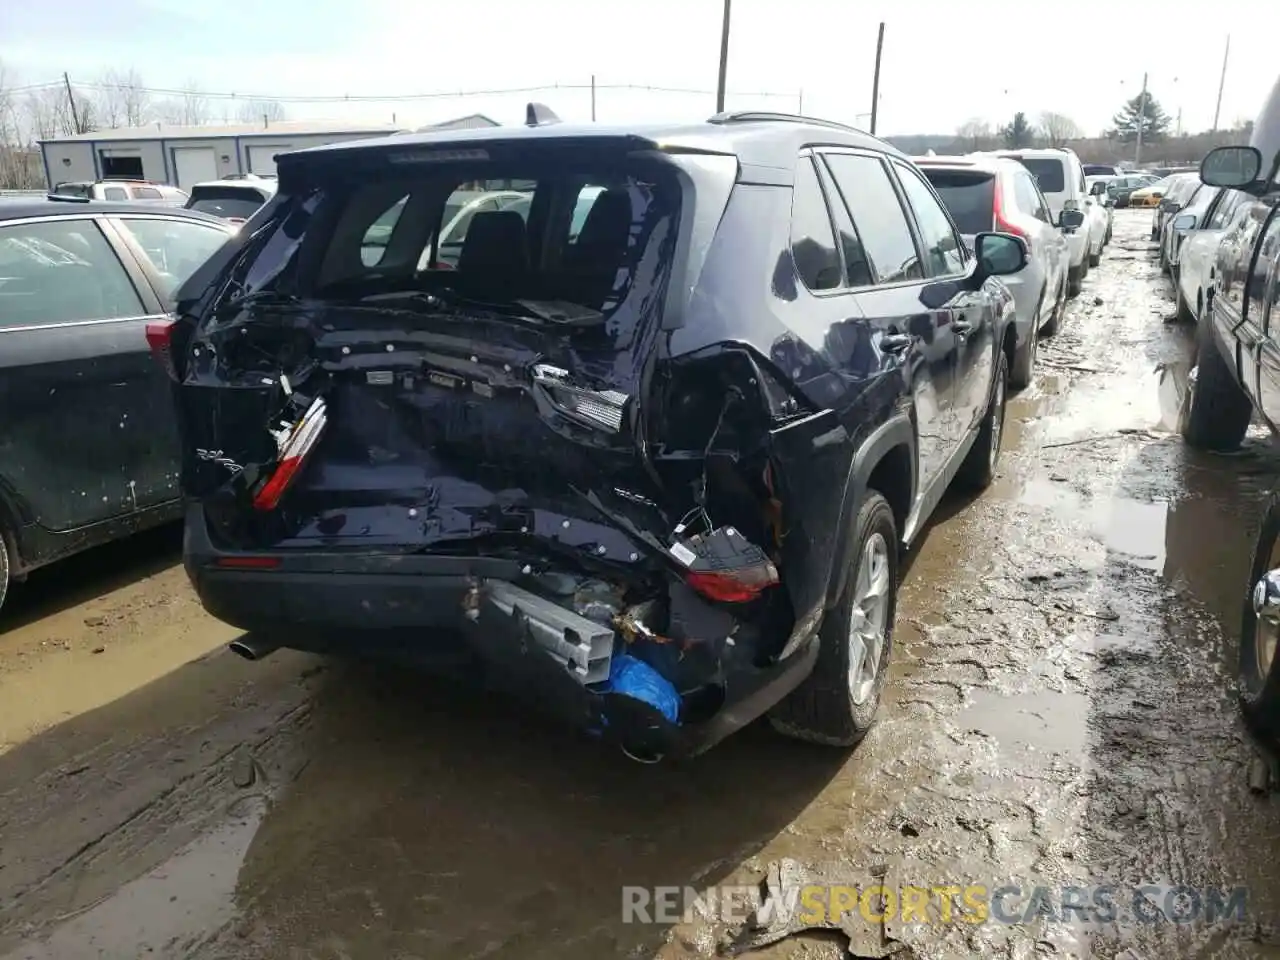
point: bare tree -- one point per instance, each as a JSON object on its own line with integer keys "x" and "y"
{"x": 122, "y": 99}
{"x": 189, "y": 109}
{"x": 1058, "y": 128}
{"x": 976, "y": 133}
{"x": 49, "y": 114}
{"x": 264, "y": 111}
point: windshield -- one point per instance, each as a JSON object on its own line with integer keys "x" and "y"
{"x": 969, "y": 196}
{"x": 237, "y": 202}
{"x": 545, "y": 235}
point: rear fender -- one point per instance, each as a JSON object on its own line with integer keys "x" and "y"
{"x": 895, "y": 432}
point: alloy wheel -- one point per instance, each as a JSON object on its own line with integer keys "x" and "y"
{"x": 869, "y": 618}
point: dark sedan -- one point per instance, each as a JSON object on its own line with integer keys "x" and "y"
{"x": 90, "y": 442}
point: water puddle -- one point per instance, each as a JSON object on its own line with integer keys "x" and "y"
{"x": 167, "y": 912}
{"x": 1131, "y": 528}
{"x": 1035, "y": 722}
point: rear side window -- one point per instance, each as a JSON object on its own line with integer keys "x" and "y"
{"x": 1048, "y": 172}
{"x": 969, "y": 196}
{"x": 61, "y": 272}
{"x": 813, "y": 242}
{"x": 868, "y": 193}
{"x": 176, "y": 248}
{"x": 1029, "y": 199}
{"x": 1223, "y": 211}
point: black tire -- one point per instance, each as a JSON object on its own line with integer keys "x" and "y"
{"x": 1024, "y": 358}
{"x": 1215, "y": 411}
{"x": 1259, "y": 684}
{"x": 1107, "y": 239}
{"x": 979, "y": 467}
{"x": 1184, "y": 309}
{"x": 822, "y": 709}
{"x": 1095, "y": 258}
{"x": 1075, "y": 276}
{"x": 1055, "y": 318}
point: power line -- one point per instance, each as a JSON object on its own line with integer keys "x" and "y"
{"x": 397, "y": 97}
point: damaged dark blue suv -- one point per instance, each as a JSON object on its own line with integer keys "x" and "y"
{"x": 643, "y": 441}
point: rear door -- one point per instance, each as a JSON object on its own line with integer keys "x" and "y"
{"x": 77, "y": 384}
{"x": 904, "y": 329}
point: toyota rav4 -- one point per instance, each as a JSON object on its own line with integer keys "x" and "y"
{"x": 651, "y": 464}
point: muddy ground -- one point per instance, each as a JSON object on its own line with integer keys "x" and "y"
{"x": 1061, "y": 712}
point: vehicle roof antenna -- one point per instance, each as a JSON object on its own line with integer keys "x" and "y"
{"x": 539, "y": 115}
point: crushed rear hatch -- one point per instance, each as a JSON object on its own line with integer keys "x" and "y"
{"x": 346, "y": 388}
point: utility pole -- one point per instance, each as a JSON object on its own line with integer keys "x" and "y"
{"x": 1221, "y": 83}
{"x": 1142, "y": 119}
{"x": 724, "y": 59}
{"x": 593, "y": 98}
{"x": 875, "y": 79}
{"x": 71, "y": 100}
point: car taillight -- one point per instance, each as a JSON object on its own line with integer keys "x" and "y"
{"x": 293, "y": 455}
{"x": 1004, "y": 226}
{"x": 160, "y": 340}
{"x": 727, "y": 587}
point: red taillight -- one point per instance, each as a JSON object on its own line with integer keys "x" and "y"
{"x": 293, "y": 454}
{"x": 1004, "y": 226}
{"x": 160, "y": 340}
{"x": 248, "y": 563}
{"x": 725, "y": 587}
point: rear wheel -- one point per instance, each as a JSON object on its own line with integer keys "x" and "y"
{"x": 979, "y": 467}
{"x": 1259, "y": 671}
{"x": 1215, "y": 411}
{"x": 1024, "y": 358}
{"x": 836, "y": 704}
{"x": 1059, "y": 306}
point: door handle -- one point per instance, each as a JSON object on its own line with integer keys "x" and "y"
{"x": 895, "y": 342}
{"x": 961, "y": 326}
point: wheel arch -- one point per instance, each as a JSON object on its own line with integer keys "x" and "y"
{"x": 885, "y": 462}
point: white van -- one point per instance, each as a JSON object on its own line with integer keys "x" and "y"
{"x": 1060, "y": 175}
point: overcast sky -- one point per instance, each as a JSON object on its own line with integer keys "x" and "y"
{"x": 943, "y": 62}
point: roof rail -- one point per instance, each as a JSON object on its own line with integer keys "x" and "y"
{"x": 757, "y": 116}
{"x": 65, "y": 198}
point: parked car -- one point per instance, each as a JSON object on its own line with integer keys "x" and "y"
{"x": 1097, "y": 187}
{"x": 1181, "y": 187}
{"x": 1061, "y": 181}
{"x": 120, "y": 191}
{"x": 1238, "y": 358}
{"x": 985, "y": 194}
{"x": 1198, "y": 254}
{"x": 1100, "y": 170}
{"x": 1121, "y": 188}
{"x": 91, "y": 448}
{"x": 1151, "y": 194}
{"x": 1179, "y": 217}
{"x": 234, "y": 199}
{"x": 653, "y": 493}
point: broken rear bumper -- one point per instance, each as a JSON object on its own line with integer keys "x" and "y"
{"x": 424, "y": 610}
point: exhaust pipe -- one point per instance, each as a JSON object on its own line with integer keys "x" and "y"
{"x": 251, "y": 648}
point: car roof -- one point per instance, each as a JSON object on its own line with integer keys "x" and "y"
{"x": 762, "y": 139}
{"x": 975, "y": 161}
{"x": 267, "y": 186}
{"x": 20, "y": 208}
{"x": 1046, "y": 153}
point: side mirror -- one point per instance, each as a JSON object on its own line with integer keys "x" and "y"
{"x": 1169, "y": 206}
{"x": 999, "y": 254}
{"x": 1186, "y": 221}
{"x": 1070, "y": 220}
{"x": 1109, "y": 202}
{"x": 1098, "y": 189}
{"x": 1231, "y": 167}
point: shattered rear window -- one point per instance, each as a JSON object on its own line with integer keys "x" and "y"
{"x": 597, "y": 238}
